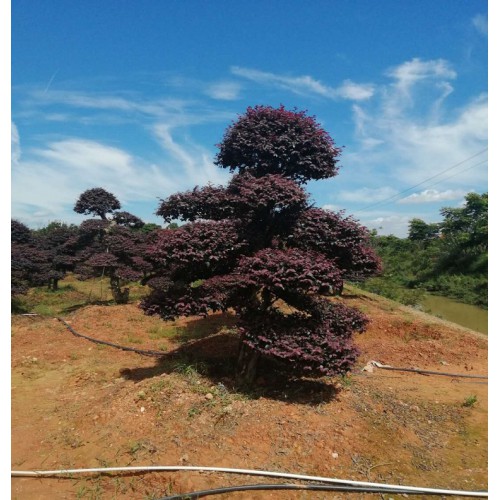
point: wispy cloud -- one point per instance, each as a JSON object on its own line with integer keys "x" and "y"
{"x": 355, "y": 91}
{"x": 408, "y": 74}
{"x": 306, "y": 85}
{"x": 367, "y": 195}
{"x": 225, "y": 91}
{"x": 193, "y": 163}
{"x": 15, "y": 148}
{"x": 433, "y": 196}
{"x": 408, "y": 135}
{"x": 90, "y": 108}
{"x": 480, "y": 23}
{"x": 46, "y": 181}
{"x": 49, "y": 179}
{"x": 389, "y": 224}
{"x": 103, "y": 101}
{"x": 416, "y": 142}
{"x": 385, "y": 222}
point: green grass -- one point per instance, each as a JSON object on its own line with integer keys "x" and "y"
{"x": 71, "y": 295}
{"x": 470, "y": 401}
{"x": 162, "y": 332}
{"x": 134, "y": 340}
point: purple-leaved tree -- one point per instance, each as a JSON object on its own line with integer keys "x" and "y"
{"x": 96, "y": 201}
{"x": 112, "y": 247}
{"x": 258, "y": 246}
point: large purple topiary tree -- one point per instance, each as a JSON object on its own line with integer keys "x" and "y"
{"x": 257, "y": 246}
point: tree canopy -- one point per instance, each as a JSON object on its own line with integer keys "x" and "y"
{"x": 96, "y": 201}
{"x": 268, "y": 140}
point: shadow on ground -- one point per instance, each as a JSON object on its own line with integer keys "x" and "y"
{"x": 211, "y": 350}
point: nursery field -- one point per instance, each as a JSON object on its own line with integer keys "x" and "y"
{"x": 77, "y": 404}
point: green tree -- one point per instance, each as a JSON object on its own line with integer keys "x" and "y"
{"x": 421, "y": 231}
{"x": 467, "y": 227}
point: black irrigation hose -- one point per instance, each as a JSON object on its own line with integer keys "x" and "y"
{"x": 144, "y": 352}
{"x": 315, "y": 487}
{"x": 147, "y": 352}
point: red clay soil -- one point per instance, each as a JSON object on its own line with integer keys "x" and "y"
{"x": 76, "y": 404}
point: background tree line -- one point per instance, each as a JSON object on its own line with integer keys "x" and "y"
{"x": 448, "y": 258}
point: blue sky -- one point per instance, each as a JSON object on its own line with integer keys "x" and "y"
{"x": 134, "y": 96}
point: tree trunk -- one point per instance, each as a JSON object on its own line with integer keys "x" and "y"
{"x": 120, "y": 296}
{"x": 52, "y": 284}
{"x": 246, "y": 368}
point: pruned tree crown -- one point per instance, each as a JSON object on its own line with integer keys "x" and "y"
{"x": 268, "y": 140}
{"x": 96, "y": 201}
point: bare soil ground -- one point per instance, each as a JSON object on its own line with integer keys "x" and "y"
{"x": 78, "y": 405}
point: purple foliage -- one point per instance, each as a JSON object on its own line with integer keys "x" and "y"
{"x": 255, "y": 244}
{"x": 127, "y": 219}
{"x": 94, "y": 226}
{"x": 209, "y": 202}
{"x": 291, "y": 269}
{"x": 117, "y": 251}
{"x": 198, "y": 250}
{"x": 245, "y": 197}
{"x": 103, "y": 260}
{"x": 30, "y": 266}
{"x": 338, "y": 237}
{"x": 315, "y": 344}
{"x": 311, "y": 347}
{"x": 96, "y": 201}
{"x": 267, "y": 140}
{"x": 19, "y": 233}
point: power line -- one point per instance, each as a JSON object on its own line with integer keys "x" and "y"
{"x": 424, "y": 181}
{"x": 456, "y": 173}
{"x": 453, "y": 175}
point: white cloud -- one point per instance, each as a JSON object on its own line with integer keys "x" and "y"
{"x": 416, "y": 142}
{"x": 367, "y": 195}
{"x": 48, "y": 180}
{"x": 102, "y": 101}
{"x": 409, "y": 73}
{"x": 480, "y": 22}
{"x": 355, "y": 91}
{"x": 193, "y": 163}
{"x": 432, "y": 196}
{"x": 15, "y": 144}
{"x": 122, "y": 108}
{"x": 52, "y": 178}
{"x": 225, "y": 91}
{"x": 388, "y": 224}
{"x": 332, "y": 207}
{"x": 306, "y": 85}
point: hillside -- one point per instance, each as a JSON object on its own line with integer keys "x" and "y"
{"x": 76, "y": 404}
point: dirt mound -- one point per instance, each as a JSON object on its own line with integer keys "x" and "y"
{"x": 76, "y": 404}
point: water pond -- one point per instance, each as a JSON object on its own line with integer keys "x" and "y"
{"x": 472, "y": 317}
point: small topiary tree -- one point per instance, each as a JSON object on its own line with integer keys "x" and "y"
{"x": 128, "y": 220}
{"x": 258, "y": 247}
{"x": 96, "y": 201}
{"x": 112, "y": 247}
{"x": 53, "y": 240}
{"x": 21, "y": 262}
{"x": 31, "y": 264}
